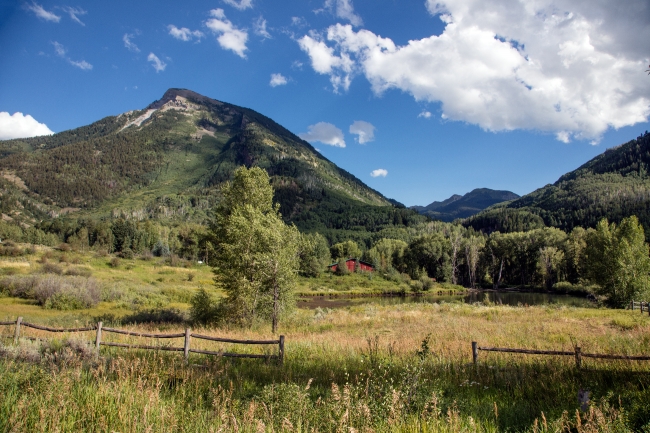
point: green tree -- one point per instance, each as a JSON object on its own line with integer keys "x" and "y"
{"x": 256, "y": 255}
{"x": 345, "y": 250}
{"x": 314, "y": 254}
{"x": 616, "y": 260}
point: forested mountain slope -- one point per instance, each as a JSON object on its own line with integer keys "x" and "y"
{"x": 464, "y": 206}
{"x": 613, "y": 185}
{"x": 167, "y": 162}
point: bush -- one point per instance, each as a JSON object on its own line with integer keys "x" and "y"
{"x": 115, "y": 262}
{"x": 50, "y": 268}
{"x": 127, "y": 253}
{"x": 78, "y": 272}
{"x": 53, "y": 291}
{"x": 204, "y": 309}
{"x": 160, "y": 249}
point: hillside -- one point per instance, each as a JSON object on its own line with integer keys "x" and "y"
{"x": 167, "y": 161}
{"x": 464, "y": 206}
{"x": 613, "y": 185}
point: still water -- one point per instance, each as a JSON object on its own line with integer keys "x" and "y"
{"x": 505, "y": 298}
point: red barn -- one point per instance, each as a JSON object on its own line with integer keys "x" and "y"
{"x": 351, "y": 265}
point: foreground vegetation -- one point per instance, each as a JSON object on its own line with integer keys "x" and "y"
{"x": 365, "y": 368}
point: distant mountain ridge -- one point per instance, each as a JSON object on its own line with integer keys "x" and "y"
{"x": 464, "y": 206}
{"x": 613, "y": 185}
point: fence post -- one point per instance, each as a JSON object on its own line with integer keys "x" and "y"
{"x": 475, "y": 352}
{"x": 632, "y": 305}
{"x": 281, "y": 350}
{"x": 186, "y": 346}
{"x": 578, "y": 357}
{"x": 17, "y": 333}
{"x": 98, "y": 338}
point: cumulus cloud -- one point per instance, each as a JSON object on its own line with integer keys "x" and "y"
{"x": 259, "y": 27}
{"x": 129, "y": 44}
{"x": 230, "y": 37}
{"x": 365, "y": 131}
{"x": 345, "y": 10}
{"x": 380, "y": 172}
{"x": 75, "y": 13}
{"x": 325, "y": 61}
{"x": 425, "y": 114}
{"x": 184, "y": 34}
{"x": 324, "y": 132}
{"x": 42, "y": 13}
{"x": 571, "y": 68}
{"x": 157, "y": 64}
{"x": 278, "y": 80}
{"x": 240, "y": 4}
{"x": 21, "y": 126}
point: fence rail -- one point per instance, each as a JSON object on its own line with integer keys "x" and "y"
{"x": 187, "y": 336}
{"x": 577, "y": 353}
{"x": 642, "y": 306}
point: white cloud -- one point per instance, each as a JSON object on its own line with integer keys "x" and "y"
{"x": 324, "y": 61}
{"x": 21, "y": 126}
{"x": 230, "y": 37}
{"x": 240, "y": 4}
{"x": 298, "y": 22}
{"x": 184, "y": 34}
{"x": 128, "y": 44}
{"x": 259, "y": 27}
{"x": 425, "y": 114}
{"x": 278, "y": 80}
{"x": 364, "y": 130}
{"x": 59, "y": 49}
{"x": 157, "y": 64}
{"x": 572, "y": 67}
{"x": 343, "y": 9}
{"x": 82, "y": 64}
{"x": 42, "y": 13}
{"x": 380, "y": 172}
{"x": 75, "y": 13}
{"x": 324, "y": 132}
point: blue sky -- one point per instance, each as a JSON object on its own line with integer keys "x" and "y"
{"x": 429, "y": 98}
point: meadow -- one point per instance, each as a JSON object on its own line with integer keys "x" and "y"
{"x": 365, "y": 368}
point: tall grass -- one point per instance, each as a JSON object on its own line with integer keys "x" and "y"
{"x": 402, "y": 368}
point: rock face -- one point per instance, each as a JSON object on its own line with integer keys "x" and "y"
{"x": 464, "y": 206}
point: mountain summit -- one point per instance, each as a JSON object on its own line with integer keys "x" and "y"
{"x": 463, "y": 206}
{"x": 168, "y": 160}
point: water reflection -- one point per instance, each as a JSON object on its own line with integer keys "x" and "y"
{"x": 503, "y": 298}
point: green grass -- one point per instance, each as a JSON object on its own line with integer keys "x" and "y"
{"x": 404, "y": 367}
{"x": 369, "y": 371}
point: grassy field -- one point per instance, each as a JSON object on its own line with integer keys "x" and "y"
{"x": 359, "y": 369}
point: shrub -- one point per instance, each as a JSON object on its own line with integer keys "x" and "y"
{"x": 160, "y": 249}
{"x": 203, "y": 308}
{"x": 127, "y": 253}
{"x": 78, "y": 272}
{"x": 53, "y": 291}
{"x": 51, "y": 268}
{"x": 115, "y": 262}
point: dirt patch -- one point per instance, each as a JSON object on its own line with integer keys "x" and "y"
{"x": 11, "y": 177}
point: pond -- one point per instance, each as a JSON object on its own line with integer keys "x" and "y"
{"x": 504, "y": 298}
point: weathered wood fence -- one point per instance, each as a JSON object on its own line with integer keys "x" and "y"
{"x": 187, "y": 335}
{"x": 577, "y": 353}
{"x": 643, "y": 306}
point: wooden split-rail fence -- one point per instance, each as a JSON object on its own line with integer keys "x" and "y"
{"x": 187, "y": 335}
{"x": 577, "y": 353}
{"x": 643, "y": 306}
